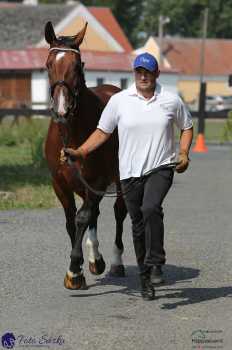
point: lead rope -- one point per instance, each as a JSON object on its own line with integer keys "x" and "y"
{"x": 113, "y": 194}
{"x": 77, "y": 172}
{"x": 64, "y": 137}
{"x": 129, "y": 186}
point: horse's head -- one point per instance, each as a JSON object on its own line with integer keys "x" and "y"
{"x": 65, "y": 71}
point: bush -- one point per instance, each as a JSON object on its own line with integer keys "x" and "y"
{"x": 30, "y": 133}
{"x": 227, "y": 130}
{"x": 37, "y": 153}
{"x": 7, "y": 136}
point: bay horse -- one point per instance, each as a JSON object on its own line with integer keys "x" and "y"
{"x": 77, "y": 110}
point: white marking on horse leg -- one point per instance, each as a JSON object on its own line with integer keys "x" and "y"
{"x": 71, "y": 274}
{"x": 61, "y": 103}
{"x": 92, "y": 245}
{"x": 117, "y": 256}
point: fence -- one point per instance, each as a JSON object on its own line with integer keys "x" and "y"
{"x": 27, "y": 112}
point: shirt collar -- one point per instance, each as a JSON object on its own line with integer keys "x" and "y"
{"x": 132, "y": 91}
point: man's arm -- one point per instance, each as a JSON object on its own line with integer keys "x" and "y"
{"x": 106, "y": 126}
{"x": 186, "y": 138}
{"x": 96, "y": 139}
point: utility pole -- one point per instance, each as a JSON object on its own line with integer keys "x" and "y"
{"x": 204, "y": 35}
{"x": 200, "y": 142}
{"x": 162, "y": 20}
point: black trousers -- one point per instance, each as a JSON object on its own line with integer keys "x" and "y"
{"x": 143, "y": 197}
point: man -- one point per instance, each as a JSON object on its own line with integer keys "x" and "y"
{"x": 145, "y": 115}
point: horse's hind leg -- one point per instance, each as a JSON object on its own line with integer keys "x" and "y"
{"x": 96, "y": 262}
{"x": 120, "y": 211}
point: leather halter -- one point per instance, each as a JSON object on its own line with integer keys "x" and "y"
{"x": 72, "y": 92}
{"x": 64, "y": 49}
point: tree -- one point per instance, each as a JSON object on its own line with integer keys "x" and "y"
{"x": 220, "y": 19}
{"x": 127, "y": 12}
{"x": 186, "y": 17}
{"x": 107, "y": 3}
{"x": 139, "y": 18}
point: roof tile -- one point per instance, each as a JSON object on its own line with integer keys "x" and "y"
{"x": 184, "y": 54}
{"x": 35, "y": 58}
{"x": 22, "y": 26}
{"x": 106, "y": 18}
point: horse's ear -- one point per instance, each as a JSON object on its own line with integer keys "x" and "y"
{"x": 80, "y": 36}
{"x": 50, "y": 35}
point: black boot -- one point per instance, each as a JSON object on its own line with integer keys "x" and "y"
{"x": 157, "y": 275}
{"x": 147, "y": 289}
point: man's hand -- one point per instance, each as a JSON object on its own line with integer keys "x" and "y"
{"x": 95, "y": 140}
{"x": 73, "y": 154}
{"x": 183, "y": 161}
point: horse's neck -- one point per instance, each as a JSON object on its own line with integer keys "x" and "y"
{"x": 85, "y": 120}
{"x": 90, "y": 107}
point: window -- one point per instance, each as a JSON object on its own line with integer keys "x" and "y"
{"x": 100, "y": 81}
{"x": 124, "y": 83}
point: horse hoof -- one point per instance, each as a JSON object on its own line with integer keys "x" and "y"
{"x": 75, "y": 283}
{"x": 98, "y": 267}
{"x": 117, "y": 271}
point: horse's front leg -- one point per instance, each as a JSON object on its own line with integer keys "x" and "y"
{"x": 74, "y": 278}
{"x": 96, "y": 261}
{"x": 67, "y": 200}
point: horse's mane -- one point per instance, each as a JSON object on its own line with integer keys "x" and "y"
{"x": 68, "y": 41}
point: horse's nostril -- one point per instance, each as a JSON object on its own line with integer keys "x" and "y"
{"x": 61, "y": 113}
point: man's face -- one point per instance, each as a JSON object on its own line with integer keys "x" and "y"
{"x": 145, "y": 80}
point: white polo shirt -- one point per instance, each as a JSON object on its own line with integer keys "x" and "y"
{"x": 145, "y": 128}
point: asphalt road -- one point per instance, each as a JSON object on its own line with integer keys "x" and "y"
{"x": 192, "y": 310}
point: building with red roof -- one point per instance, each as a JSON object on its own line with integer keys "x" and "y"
{"x": 106, "y": 50}
{"x": 184, "y": 54}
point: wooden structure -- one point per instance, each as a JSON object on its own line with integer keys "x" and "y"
{"x": 15, "y": 87}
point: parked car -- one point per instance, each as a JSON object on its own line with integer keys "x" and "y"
{"x": 227, "y": 102}
{"x": 218, "y": 103}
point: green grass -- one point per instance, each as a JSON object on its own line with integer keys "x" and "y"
{"x": 30, "y": 182}
{"x": 23, "y": 170}
{"x": 214, "y": 131}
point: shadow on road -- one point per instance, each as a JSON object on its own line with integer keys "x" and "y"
{"x": 173, "y": 275}
{"x": 193, "y": 295}
{"x": 130, "y": 284}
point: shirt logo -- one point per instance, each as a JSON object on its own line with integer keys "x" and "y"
{"x": 165, "y": 107}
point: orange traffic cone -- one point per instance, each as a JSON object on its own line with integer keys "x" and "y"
{"x": 200, "y": 144}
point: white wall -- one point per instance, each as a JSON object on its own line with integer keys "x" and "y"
{"x": 109, "y": 77}
{"x": 39, "y": 90}
{"x": 168, "y": 80}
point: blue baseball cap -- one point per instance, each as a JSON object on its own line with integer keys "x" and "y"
{"x": 146, "y": 61}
